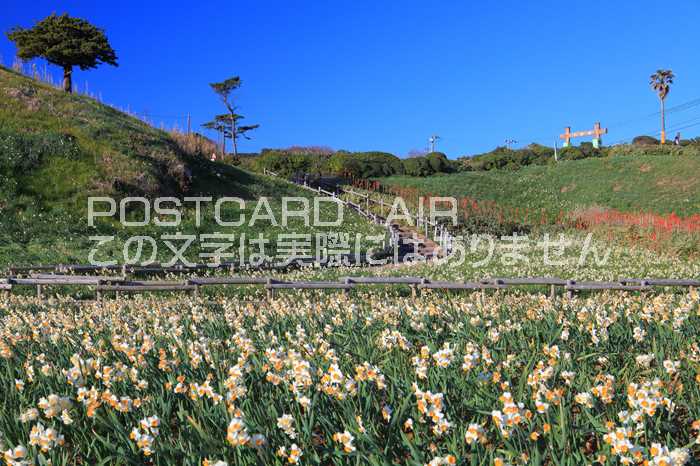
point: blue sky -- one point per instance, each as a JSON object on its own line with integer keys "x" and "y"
{"x": 369, "y": 75}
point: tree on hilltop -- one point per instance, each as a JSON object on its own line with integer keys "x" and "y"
{"x": 66, "y": 42}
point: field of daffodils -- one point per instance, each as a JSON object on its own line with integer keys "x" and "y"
{"x": 367, "y": 379}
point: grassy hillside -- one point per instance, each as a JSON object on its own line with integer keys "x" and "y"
{"x": 649, "y": 183}
{"x": 57, "y": 149}
{"x": 60, "y": 148}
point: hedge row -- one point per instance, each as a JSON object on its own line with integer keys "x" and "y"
{"x": 378, "y": 164}
{"x": 535, "y": 154}
{"x": 351, "y": 164}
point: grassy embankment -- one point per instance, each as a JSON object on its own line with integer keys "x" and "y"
{"x": 649, "y": 183}
{"x": 56, "y": 150}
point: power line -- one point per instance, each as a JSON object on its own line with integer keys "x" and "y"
{"x": 678, "y": 126}
{"x": 681, "y": 107}
{"x": 695, "y": 122}
{"x": 676, "y": 108}
{"x": 687, "y": 126}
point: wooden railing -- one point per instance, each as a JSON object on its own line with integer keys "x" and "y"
{"x": 102, "y": 284}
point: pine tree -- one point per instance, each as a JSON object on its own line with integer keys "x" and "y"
{"x": 66, "y": 42}
{"x": 229, "y": 121}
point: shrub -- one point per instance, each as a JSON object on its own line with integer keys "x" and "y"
{"x": 438, "y": 162}
{"x": 534, "y": 154}
{"x": 365, "y": 164}
{"x": 290, "y": 164}
{"x": 689, "y": 150}
{"x": 417, "y": 166}
{"x": 309, "y": 150}
{"x": 340, "y": 163}
{"x": 645, "y": 141}
{"x": 584, "y": 151}
{"x": 375, "y": 164}
{"x": 434, "y": 162}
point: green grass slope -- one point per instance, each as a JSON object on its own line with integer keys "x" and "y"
{"x": 648, "y": 183}
{"x": 57, "y": 149}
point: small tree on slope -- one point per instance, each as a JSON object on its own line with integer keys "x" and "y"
{"x": 225, "y": 90}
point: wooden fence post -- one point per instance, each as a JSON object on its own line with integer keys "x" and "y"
{"x": 570, "y": 293}
{"x": 645, "y": 286}
{"x": 270, "y": 290}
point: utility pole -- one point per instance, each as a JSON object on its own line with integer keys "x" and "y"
{"x": 189, "y": 124}
{"x": 556, "y": 157}
{"x": 509, "y": 142}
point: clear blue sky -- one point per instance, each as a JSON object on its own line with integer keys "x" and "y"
{"x": 369, "y": 75}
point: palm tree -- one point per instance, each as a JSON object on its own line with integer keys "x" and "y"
{"x": 661, "y": 82}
